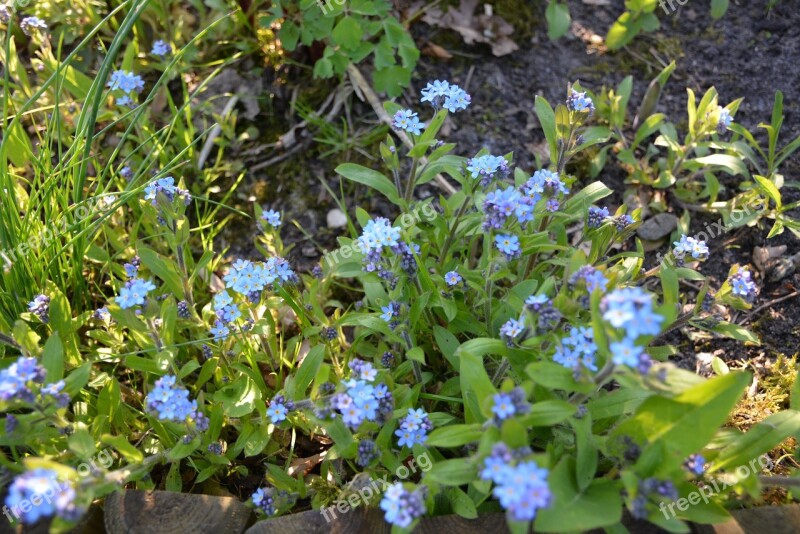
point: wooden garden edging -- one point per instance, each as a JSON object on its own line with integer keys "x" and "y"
{"x": 157, "y": 512}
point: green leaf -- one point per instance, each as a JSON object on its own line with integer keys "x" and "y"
{"x": 734, "y": 331}
{"x": 120, "y": 443}
{"x": 719, "y": 8}
{"x": 347, "y": 33}
{"x": 461, "y": 503}
{"x": 452, "y": 472}
{"x": 166, "y": 270}
{"x": 308, "y": 370}
{"x": 558, "y": 19}
{"x": 547, "y": 118}
{"x": 82, "y": 443}
{"x": 53, "y": 358}
{"x": 392, "y": 80}
{"x": 370, "y": 178}
{"x": 448, "y": 344}
{"x": 686, "y": 423}
{"x": 475, "y": 384}
{"x": 758, "y": 440}
{"x": 417, "y": 355}
{"x": 623, "y": 31}
{"x": 454, "y": 435}
{"x": 770, "y": 190}
{"x": 574, "y": 510}
{"x": 548, "y": 413}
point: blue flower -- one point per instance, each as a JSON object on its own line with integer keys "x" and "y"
{"x": 161, "y": 48}
{"x": 30, "y": 486}
{"x": 169, "y": 401}
{"x": 452, "y": 278}
{"x": 264, "y": 499}
{"x": 623, "y": 221}
{"x": 16, "y": 379}
{"x": 502, "y": 406}
{"x": 167, "y": 187}
{"x": 725, "y": 121}
{"x": 577, "y": 350}
{"x": 742, "y": 285}
{"x": 272, "y": 217}
{"x": 487, "y": 168}
{"x": 435, "y": 91}
{"x": 390, "y": 311}
{"x": 102, "y": 314}
{"x": 535, "y": 302}
{"x": 695, "y": 464}
{"x": 597, "y": 216}
{"x": 625, "y": 352}
{"x": 40, "y": 307}
{"x": 134, "y": 292}
{"x": 414, "y": 428}
{"x": 594, "y": 278}
{"x": 508, "y": 245}
{"x": 690, "y": 245}
{"x": 277, "y": 412}
{"x": 31, "y": 25}
{"x": 408, "y": 121}
{"x": 219, "y": 330}
{"x": 512, "y": 329}
{"x": 579, "y": 102}
{"x": 401, "y": 507}
{"x": 522, "y": 489}
{"x": 222, "y": 299}
{"x": 127, "y": 82}
{"x": 456, "y": 100}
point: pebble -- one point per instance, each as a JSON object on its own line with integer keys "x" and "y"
{"x": 336, "y": 218}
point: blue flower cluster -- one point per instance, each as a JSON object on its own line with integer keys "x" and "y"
{"x": 407, "y": 121}
{"x": 577, "y": 350}
{"x": 55, "y": 392}
{"x": 580, "y": 102}
{"x": 167, "y": 187}
{"x": 520, "y": 486}
{"x": 31, "y": 25}
{"x": 594, "y": 278}
{"x": 401, "y": 507}
{"x": 414, "y": 428}
{"x": 505, "y": 405}
{"x": 597, "y": 216}
{"x": 161, "y": 48}
{"x": 623, "y": 221}
{"x": 652, "y": 488}
{"x": 379, "y": 235}
{"x": 129, "y": 83}
{"x": 362, "y": 401}
{"x": 279, "y": 407}
{"x": 272, "y": 217}
{"x": 742, "y": 285}
{"x": 690, "y": 245}
{"x": 134, "y": 292}
{"x": 170, "y": 402}
{"x": 264, "y": 499}
{"x": 40, "y": 307}
{"x": 488, "y": 168}
{"x": 249, "y": 278}
{"x": 227, "y": 312}
{"x": 631, "y": 309}
{"x": 449, "y": 96}
{"x": 16, "y": 379}
{"x": 31, "y": 486}
{"x": 367, "y": 452}
{"x": 695, "y": 464}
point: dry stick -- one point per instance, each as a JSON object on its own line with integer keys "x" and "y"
{"x": 375, "y": 102}
{"x": 768, "y": 304}
{"x": 215, "y": 131}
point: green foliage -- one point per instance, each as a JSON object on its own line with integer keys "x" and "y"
{"x": 353, "y": 33}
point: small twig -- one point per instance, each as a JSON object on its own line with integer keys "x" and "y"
{"x": 781, "y": 482}
{"x": 768, "y": 304}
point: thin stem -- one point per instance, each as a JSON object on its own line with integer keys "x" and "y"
{"x": 501, "y": 370}
{"x": 599, "y": 381}
{"x": 452, "y": 233}
{"x": 412, "y": 178}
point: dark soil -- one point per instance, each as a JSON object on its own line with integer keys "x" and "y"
{"x": 751, "y": 53}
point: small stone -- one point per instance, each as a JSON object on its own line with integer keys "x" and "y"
{"x": 336, "y": 218}
{"x": 657, "y": 227}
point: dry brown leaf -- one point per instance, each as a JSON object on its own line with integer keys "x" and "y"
{"x": 486, "y": 28}
{"x": 432, "y": 49}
